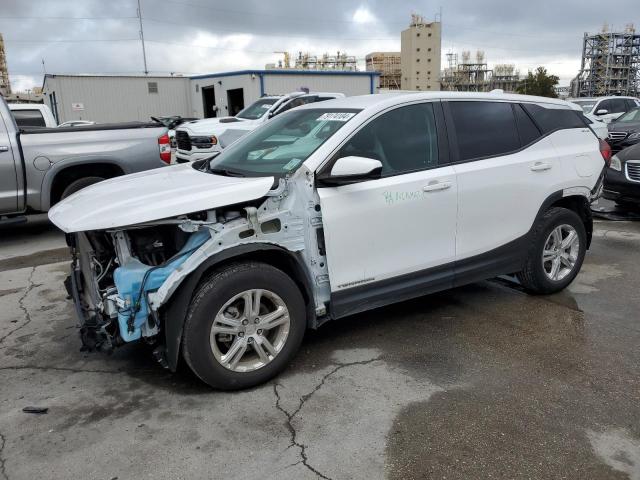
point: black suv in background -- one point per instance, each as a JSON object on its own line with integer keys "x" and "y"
{"x": 625, "y": 130}
{"x": 622, "y": 180}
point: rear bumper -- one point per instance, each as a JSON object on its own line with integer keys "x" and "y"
{"x": 618, "y": 187}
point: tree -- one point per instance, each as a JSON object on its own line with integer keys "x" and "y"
{"x": 539, "y": 83}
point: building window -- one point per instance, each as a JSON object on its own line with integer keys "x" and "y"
{"x": 417, "y": 73}
{"x": 428, "y": 49}
{"x": 153, "y": 87}
{"x": 418, "y": 49}
{"x": 428, "y": 86}
{"x": 429, "y": 35}
{"x": 428, "y": 59}
{"x": 417, "y": 59}
{"x": 418, "y": 34}
{"x": 429, "y": 72}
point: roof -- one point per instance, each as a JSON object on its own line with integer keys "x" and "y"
{"x": 283, "y": 71}
{"x": 395, "y": 98}
{"x": 595, "y": 99}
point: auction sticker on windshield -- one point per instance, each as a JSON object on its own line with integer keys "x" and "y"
{"x": 336, "y": 116}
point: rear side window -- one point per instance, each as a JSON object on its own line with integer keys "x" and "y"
{"x": 484, "y": 129}
{"x": 528, "y": 131}
{"x": 552, "y": 119}
{"x": 630, "y": 104}
{"x": 617, "y": 105}
{"x": 28, "y": 118}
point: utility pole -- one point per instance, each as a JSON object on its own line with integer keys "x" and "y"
{"x": 144, "y": 53}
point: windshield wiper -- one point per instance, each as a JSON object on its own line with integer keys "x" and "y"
{"x": 226, "y": 172}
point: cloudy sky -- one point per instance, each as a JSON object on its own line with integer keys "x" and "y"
{"x": 198, "y": 36}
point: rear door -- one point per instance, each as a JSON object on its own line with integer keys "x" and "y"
{"x": 505, "y": 170}
{"x": 8, "y": 173}
{"x": 392, "y": 238}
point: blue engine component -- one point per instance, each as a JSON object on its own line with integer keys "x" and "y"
{"x": 128, "y": 279}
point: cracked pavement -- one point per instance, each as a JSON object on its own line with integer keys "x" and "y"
{"x": 482, "y": 381}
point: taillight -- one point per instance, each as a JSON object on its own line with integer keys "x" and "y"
{"x": 164, "y": 145}
{"x": 605, "y": 150}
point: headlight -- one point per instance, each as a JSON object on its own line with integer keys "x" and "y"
{"x": 615, "y": 163}
{"x": 634, "y": 136}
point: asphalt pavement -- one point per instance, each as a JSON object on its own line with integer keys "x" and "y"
{"x": 482, "y": 381}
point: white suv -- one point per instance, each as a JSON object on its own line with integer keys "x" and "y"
{"x": 329, "y": 210}
{"x": 606, "y": 109}
{"x": 205, "y": 138}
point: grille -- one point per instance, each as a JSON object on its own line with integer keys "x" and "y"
{"x": 618, "y": 135}
{"x": 633, "y": 170}
{"x": 183, "y": 140}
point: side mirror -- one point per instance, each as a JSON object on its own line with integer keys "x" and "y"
{"x": 349, "y": 170}
{"x": 602, "y": 111}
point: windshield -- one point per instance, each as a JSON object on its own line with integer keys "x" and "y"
{"x": 586, "y": 106}
{"x": 282, "y": 144}
{"x": 257, "y": 109}
{"x": 630, "y": 116}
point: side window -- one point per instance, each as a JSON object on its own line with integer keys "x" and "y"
{"x": 604, "y": 105}
{"x": 484, "y": 129}
{"x": 552, "y": 119}
{"x": 630, "y": 104}
{"x": 29, "y": 118}
{"x": 296, "y": 102}
{"x": 404, "y": 140}
{"x": 618, "y": 105}
{"x": 528, "y": 131}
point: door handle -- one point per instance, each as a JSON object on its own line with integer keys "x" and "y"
{"x": 4, "y": 148}
{"x": 540, "y": 167}
{"x": 436, "y": 186}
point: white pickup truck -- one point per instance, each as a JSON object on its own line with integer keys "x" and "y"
{"x": 204, "y": 138}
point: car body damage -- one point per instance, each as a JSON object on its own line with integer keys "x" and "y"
{"x": 124, "y": 277}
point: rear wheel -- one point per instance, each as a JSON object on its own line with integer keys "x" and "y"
{"x": 556, "y": 253}
{"x": 244, "y": 325}
{"x": 79, "y": 184}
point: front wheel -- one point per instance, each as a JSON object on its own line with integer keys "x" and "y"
{"x": 244, "y": 324}
{"x": 556, "y": 253}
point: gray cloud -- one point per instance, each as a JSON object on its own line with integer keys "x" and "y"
{"x": 194, "y": 36}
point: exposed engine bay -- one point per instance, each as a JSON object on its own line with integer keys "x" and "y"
{"x": 122, "y": 278}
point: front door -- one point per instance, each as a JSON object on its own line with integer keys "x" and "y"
{"x": 8, "y": 174}
{"x": 391, "y": 238}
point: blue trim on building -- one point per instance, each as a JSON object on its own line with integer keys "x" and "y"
{"x": 261, "y": 73}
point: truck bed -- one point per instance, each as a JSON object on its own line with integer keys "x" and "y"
{"x": 92, "y": 128}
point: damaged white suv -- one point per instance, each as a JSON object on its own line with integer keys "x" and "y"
{"x": 329, "y": 210}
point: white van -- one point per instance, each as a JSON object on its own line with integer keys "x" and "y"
{"x": 325, "y": 211}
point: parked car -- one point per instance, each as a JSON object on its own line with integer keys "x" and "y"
{"x": 329, "y": 210}
{"x": 32, "y": 115}
{"x": 622, "y": 180}
{"x": 40, "y": 165}
{"x": 207, "y": 137}
{"x": 606, "y": 109}
{"x": 172, "y": 123}
{"x": 625, "y": 130}
{"x": 76, "y": 123}
{"x": 599, "y": 128}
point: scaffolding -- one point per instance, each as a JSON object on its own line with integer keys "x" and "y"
{"x": 388, "y": 64}
{"x": 610, "y": 64}
{"x": 474, "y": 74}
{"x": 5, "y": 86}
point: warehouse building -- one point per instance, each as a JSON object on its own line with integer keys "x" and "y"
{"x": 108, "y": 98}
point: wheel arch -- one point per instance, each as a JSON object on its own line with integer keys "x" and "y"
{"x": 175, "y": 310}
{"x": 63, "y": 177}
{"x": 578, "y": 204}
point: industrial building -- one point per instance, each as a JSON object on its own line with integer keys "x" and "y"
{"x": 106, "y": 98}
{"x": 306, "y": 61}
{"x": 610, "y": 64}
{"x": 472, "y": 74}
{"x": 420, "y": 47}
{"x": 388, "y": 64}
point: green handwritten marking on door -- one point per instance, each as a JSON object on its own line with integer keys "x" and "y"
{"x": 391, "y": 198}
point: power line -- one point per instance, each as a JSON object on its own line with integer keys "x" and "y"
{"x": 2, "y": 17}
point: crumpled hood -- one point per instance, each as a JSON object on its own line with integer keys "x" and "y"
{"x": 152, "y": 195}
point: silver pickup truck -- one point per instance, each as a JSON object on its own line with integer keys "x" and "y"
{"x": 40, "y": 166}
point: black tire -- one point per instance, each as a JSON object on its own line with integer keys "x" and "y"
{"x": 533, "y": 277}
{"x": 79, "y": 184}
{"x": 211, "y": 296}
